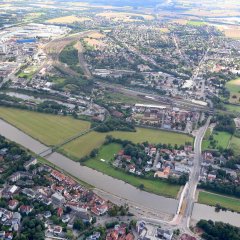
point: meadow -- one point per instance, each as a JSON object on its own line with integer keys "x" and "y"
{"x": 78, "y": 148}
{"x": 48, "y": 129}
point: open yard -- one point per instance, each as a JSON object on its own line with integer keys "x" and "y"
{"x": 234, "y": 88}
{"x": 78, "y": 148}
{"x": 155, "y": 186}
{"x": 213, "y": 199}
{"x": 49, "y": 129}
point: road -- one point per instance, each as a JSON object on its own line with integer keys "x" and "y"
{"x": 194, "y": 177}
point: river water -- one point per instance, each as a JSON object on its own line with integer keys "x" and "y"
{"x": 97, "y": 179}
{"x": 37, "y": 100}
{"x": 114, "y": 186}
{"x": 205, "y": 212}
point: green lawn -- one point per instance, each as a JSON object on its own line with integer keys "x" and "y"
{"x": 222, "y": 139}
{"x": 47, "y": 128}
{"x": 213, "y": 199}
{"x": 234, "y": 88}
{"x": 78, "y": 148}
{"x": 155, "y": 186}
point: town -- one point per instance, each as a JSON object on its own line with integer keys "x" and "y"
{"x": 119, "y": 120}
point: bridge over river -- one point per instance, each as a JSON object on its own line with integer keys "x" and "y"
{"x": 117, "y": 188}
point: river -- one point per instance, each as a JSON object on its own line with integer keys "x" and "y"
{"x": 94, "y": 178}
{"x": 36, "y": 99}
{"x": 201, "y": 211}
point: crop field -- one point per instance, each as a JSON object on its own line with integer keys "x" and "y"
{"x": 78, "y": 148}
{"x": 49, "y": 129}
{"x": 68, "y": 19}
{"x": 224, "y": 201}
{"x": 107, "y": 153}
{"x": 234, "y": 88}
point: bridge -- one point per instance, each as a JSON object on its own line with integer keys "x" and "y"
{"x": 52, "y": 149}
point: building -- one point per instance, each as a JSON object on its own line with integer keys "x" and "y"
{"x": 58, "y": 199}
{"x": 31, "y": 162}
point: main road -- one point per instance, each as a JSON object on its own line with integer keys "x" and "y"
{"x": 194, "y": 177}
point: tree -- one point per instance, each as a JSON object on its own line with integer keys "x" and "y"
{"x": 78, "y": 225}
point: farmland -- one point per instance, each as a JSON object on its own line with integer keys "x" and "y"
{"x": 49, "y": 129}
{"x": 68, "y": 19}
{"x": 101, "y": 163}
{"x": 125, "y": 17}
{"x": 77, "y": 148}
{"x": 224, "y": 201}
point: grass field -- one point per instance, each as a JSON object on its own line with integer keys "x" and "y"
{"x": 232, "y": 108}
{"x": 235, "y": 145}
{"x": 155, "y": 186}
{"x": 222, "y": 139}
{"x": 78, "y": 148}
{"x": 213, "y": 199}
{"x": 119, "y": 97}
{"x": 234, "y": 88}
{"x": 196, "y": 23}
{"x": 49, "y": 129}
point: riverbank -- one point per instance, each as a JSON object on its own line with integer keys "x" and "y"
{"x": 213, "y": 199}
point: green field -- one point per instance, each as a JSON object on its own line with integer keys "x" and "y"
{"x": 234, "y": 88}
{"x": 78, "y": 148}
{"x": 235, "y": 145}
{"x": 213, "y": 199}
{"x": 196, "y": 23}
{"x": 119, "y": 97}
{"x": 232, "y": 108}
{"x": 155, "y": 186}
{"x": 222, "y": 138}
{"x": 49, "y": 129}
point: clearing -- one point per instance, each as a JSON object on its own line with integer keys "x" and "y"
{"x": 224, "y": 201}
{"x": 155, "y": 186}
{"x": 48, "y": 129}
